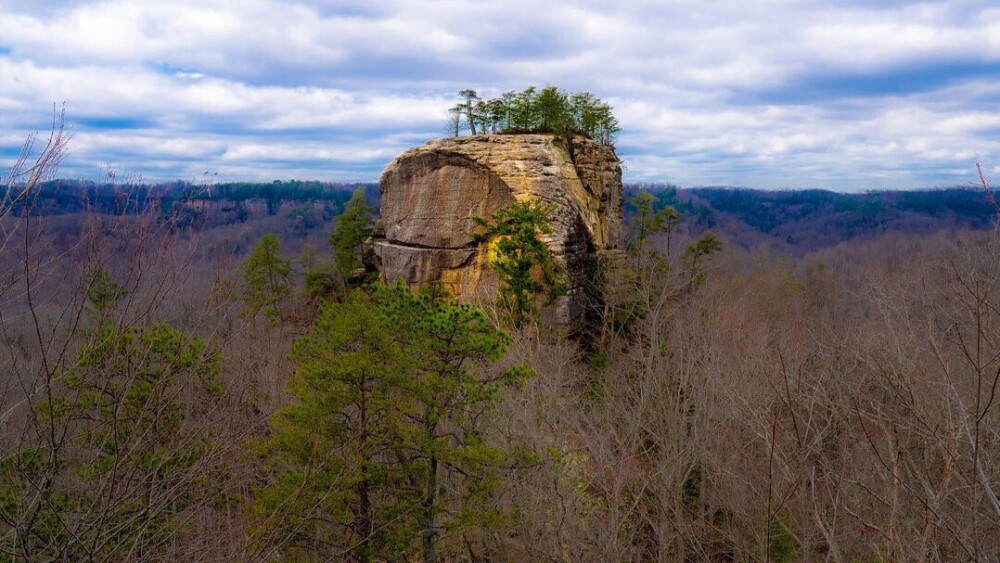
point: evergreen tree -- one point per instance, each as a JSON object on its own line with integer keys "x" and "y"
{"x": 468, "y": 106}
{"x": 695, "y": 255}
{"x": 266, "y": 278}
{"x": 523, "y": 109}
{"x": 455, "y": 119}
{"x": 112, "y": 461}
{"x": 644, "y": 221}
{"x": 583, "y": 107}
{"x": 102, "y": 291}
{"x": 520, "y": 257}
{"x": 381, "y": 452}
{"x": 670, "y": 219}
{"x": 322, "y": 281}
{"x": 496, "y": 112}
{"x": 549, "y": 110}
{"x": 505, "y": 107}
{"x": 353, "y": 228}
{"x": 649, "y": 221}
{"x": 553, "y": 110}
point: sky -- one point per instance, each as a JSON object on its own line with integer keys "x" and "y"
{"x": 846, "y": 95}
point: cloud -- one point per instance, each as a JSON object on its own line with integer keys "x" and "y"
{"x": 777, "y": 93}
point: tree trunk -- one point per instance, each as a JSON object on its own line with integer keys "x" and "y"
{"x": 365, "y": 525}
{"x": 472, "y": 122}
{"x": 428, "y": 535}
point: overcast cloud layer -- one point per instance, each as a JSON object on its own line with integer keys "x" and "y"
{"x": 847, "y": 95}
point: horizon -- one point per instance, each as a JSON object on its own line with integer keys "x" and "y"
{"x": 653, "y": 186}
{"x": 785, "y": 95}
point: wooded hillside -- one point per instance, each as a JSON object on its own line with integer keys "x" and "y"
{"x": 178, "y": 389}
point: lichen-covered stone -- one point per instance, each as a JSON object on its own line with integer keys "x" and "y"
{"x": 431, "y": 193}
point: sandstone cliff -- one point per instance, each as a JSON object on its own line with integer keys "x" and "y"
{"x": 431, "y": 193}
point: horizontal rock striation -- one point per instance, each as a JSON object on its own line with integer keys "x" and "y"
{"x": 431, "y": 193}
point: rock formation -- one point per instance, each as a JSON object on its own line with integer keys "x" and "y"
{"x": 431, "y": 193}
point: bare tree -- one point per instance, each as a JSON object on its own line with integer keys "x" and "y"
{"x": 34, "y": 164}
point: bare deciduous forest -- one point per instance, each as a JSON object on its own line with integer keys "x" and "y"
{"x": 739, "y": 404}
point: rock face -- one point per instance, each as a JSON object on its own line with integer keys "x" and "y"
{"x": 431, "y": 193}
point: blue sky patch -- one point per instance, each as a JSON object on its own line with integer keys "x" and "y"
{"x": 114, "y": 123}
{"x": 903, "y": 81}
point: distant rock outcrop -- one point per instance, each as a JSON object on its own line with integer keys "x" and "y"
{"x": 431, "y": 193}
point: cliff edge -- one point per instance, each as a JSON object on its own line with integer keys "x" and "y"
{"x": 431, "y": 193}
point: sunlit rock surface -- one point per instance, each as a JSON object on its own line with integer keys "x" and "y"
{"x": 431, "y": 193}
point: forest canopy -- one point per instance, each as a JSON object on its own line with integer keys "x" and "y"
{"x": 737, "y": 401}
{"x": 548, "y": 110}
